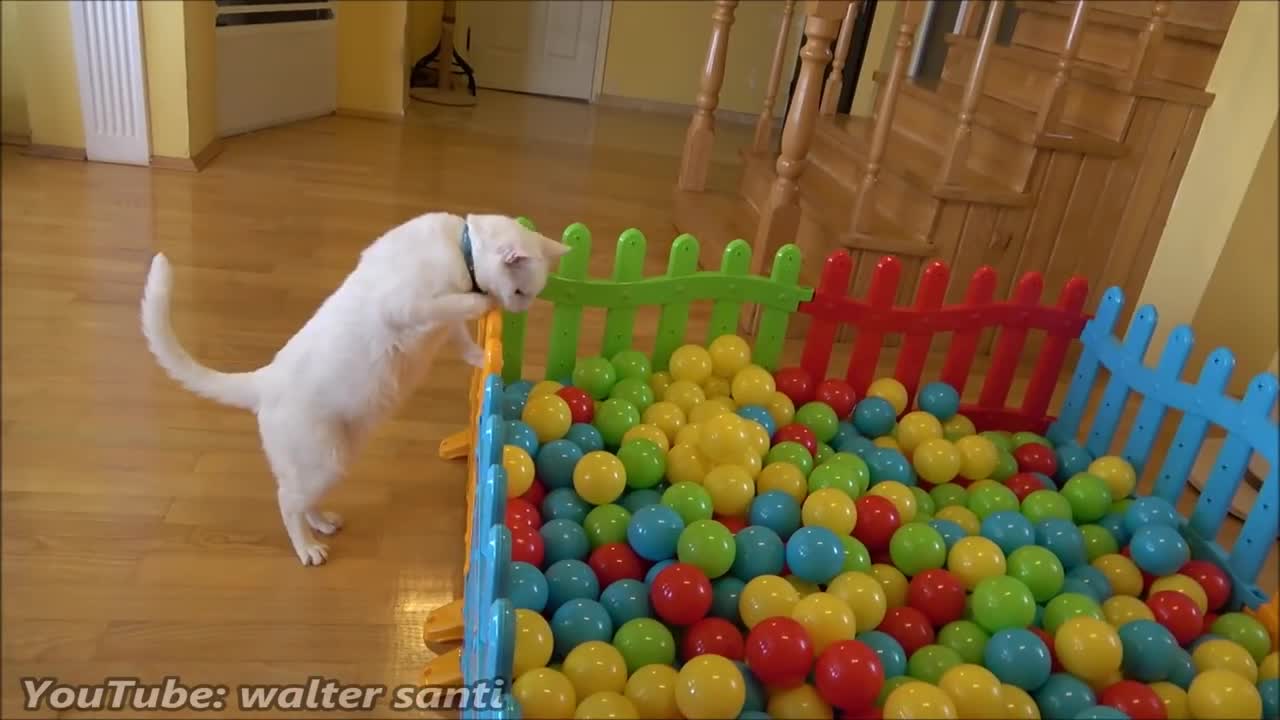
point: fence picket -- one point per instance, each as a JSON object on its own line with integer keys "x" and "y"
{"x": 772, "y": 329}
{"x": 1067, "y": 427}
{"x": 1008, "y": 347}
{"x": 1229, "y": 465}
{"x": 832, "y": 287}
{"x": 1107, "y": 417}
{"x": 675, "y": 316}
{"x": 915, "y": 347}
{"x": 1260, "y": 529}
{"x": 964, "y": 344}
{"x": 867, "y": 346}
{"x": 726, "y": 314}
{"x": 1191, "y": 432}
{"x": 628, "y": 266}
{"x": 1153, "y": 408}
{"x": 566, "y": 318}
{"x": 1044, "y": 377}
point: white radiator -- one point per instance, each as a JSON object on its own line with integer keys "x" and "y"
{"x": 277, "y": 63}
{"x": 107, "y": 35}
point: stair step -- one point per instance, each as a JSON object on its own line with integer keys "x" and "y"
{"x": 1203, "y": 22}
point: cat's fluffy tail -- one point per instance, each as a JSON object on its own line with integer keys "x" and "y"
{"x": 235, "y": 389}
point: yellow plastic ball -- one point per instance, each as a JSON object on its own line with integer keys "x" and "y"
{"x": 974, "y": 559}
{"x": 765, "y": 596}
{"x": 802, "y": 586}
{"x": 914, "y": 428}
{"x": 1099, "y": 684}
{"x": 1121, "y": 609}
{"x": 1226, "y": 655}
{"x": 1183, "y": 584}
{"x": 1018, "y": 705}
{"x": 710, "y": 687}
{"x": 864, "y": 595}
{"x": 729, "y": 355}
{"x": 898, "y": 494}
{"x": 549, "y": 417}
{"x": 652, "y": 690}
{"x": 962, "y": 516}
{"x": 724, "y": 438}
{"x": 659, "y": 382}
{"x": 652, "y": 433}
{"x": 1088, "y": 647}
{"x": 666, "y": 416}
{"x": 602, "y": 705}
{"x": 595, "y": 666}
{"x": 958, "y": 426}
{"x": 599, "y": 477}
{"x": 801, "y": 702}
{"x": 533, "y": 644}
{"x": 725, "y": 402}
{"x": 752, "y": 463}
{"x": 975, "y": 691}
{"x": 731, "y": 489}
{"x": 758, "y": 439}
{"x": 892, "y": 391}
{"x": 691, "y": 363}
{"x": 827, "y": 619}
{"x": 753, "y": 385}
{"x": 784, "y": 477}
{"x": 1124, "y": 576}
{"x": 519, "y": 467}
{"x": 780, "y": 408}
{"x": 705, "y": 411}
{"x": 978, "y": 457}
{"x": 1269, "y": 669}
{"x": 544, "y": 694}
{"x": 544, "y": 387}
{"x": 887, "y": 442}
{"x": 716, "y": 387}
{"x": 893, "y": 582}
{"x": 937, "y": 460}
{"x": 685, "y": 464}
{"x": 689, "y": 435}
{"x": 1176, "y": 706}
{"x": 915, "y": 700}
{"x": 832, "y": 509}
{"x": 1223, "y": 695}
{"x": 685, "y": 395}
{"x": 1117, "y": 473}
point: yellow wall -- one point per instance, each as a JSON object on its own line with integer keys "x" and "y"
{"x": 422, "y": 31}
{"x": 880, "y": 49}
{"x": 372, "y": 56}
{"x": 202, "y": 74}
{"x": 164, "y": 42}
{"x": 13, "y": 108}
{"x": 49, "y": 73}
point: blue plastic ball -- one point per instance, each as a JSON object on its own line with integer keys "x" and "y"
{"x": 1091, "y": 578}
{"x": 636, "y": 499}
{"x": 859, "y": 446}
{"x": 1018, "y": 657}
{"x": 1270, "y": 692}
{"x": 889, "y": 464}
{"x": 815, "y": 554}
{"x": 753, "y": 705}
{"x": 845, "y": 431}
{"x": 570, "y": 580}
{"x": 1101, "y": 712}
{"x": 1008, "y": 529}
{"x": 555, "y": 463}
{"x": 1039, "y": 619}
{"x": 939, "y": 399}
{"x": 579, "y": 621}
{"x": 951, "y": 532}
{"x": 873, "y": 417}
{"x": 1148, "y": 650}
{"x": 1159, "y": 549}
{"x": 725, "y": 592}
{"x": 625, "y": 600}
{"x": 1045, "y": 480}
{"x": 522, "y": 436}
{"x": 1182, "y": 669}
{"x": 892, "y": 657}
{"x": 657, "y": 568}
{"x": 1072, "y": 460}
{"x": 564, "y": 539}
{"x": 564, "y": 504}
{"x": 1114, "y": 524}
{"x": 777, "y": 511}
{"x": 760, "y": 415}
{"x": 528, "y": 587}
{"x": 760, "y": 552}
{"x": 753, "y": 714}
{"x": 1149, "y": 510}
{"x": 1063, "y": 539}
{"x": 654, "y": 531}
{"x": 512, "y": 406}
{"x": 522, "y": 387}
{"x": 586, "y": 437}
{"x": 1063, "y": 696}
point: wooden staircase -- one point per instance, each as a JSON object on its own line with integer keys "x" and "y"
{"x": 1059, "y": 152}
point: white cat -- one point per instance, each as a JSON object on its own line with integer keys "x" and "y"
{"x": 365, "y": 349}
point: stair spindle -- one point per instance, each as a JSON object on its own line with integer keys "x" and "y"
{"x": 695, "y": 160}
{"x": 969, "y": 17}
{"x": 1150, "y": 39}
{"x": 954, "y": 159}
{"x": 835, "y": 81}
{"x": 1051, "y": 111}
{"x": 764, "y": 124}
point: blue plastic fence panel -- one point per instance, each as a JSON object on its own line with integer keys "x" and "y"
{"x": 1137, "y": 451}
{"x": 498, "y": 638}
{"x": 490, "y": 540}
{"x": 1192, "y": 430}
{"x": 1107, "y": 416}
{"x": 1066, "y": 428}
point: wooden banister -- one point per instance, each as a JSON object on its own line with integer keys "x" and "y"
{"x": 1051, "y": 111}
{"x": 969, "y": 16}
{"x": 764, "y": 124}
{"x": 780, "y": 214}
{"x": 1150, "y": 39}
{"x": 695, "y": 160}
{"x": 954, "y": 158}
{"x": 835, "y": 81}
{"x": 887, "y": 101}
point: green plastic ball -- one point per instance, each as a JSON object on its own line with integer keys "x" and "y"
{"x": 614, "y": 418}
{"x": 967, "y": 638}
{"x": 1245, "y": 631}
{"x": 931, "y": 661}
{"x": 949, "y": 494}
{"x": 645, "y": 641}
{"x": 595, "y": 376}
{"x": 988, "y": 498}
{"x": 820, "y": 418}
{"x": 856, "y": 465}
{"x": 635, "y": 391}
{"x": 1098, "y": 541}
{"x": 916, "y": 547}
{"x": 606, "y": 524}
{"x": 1045, "y": 505}
{"x": 1039, "y": 569}
{"x": 825, "y": 452}
{"x": 644, "y": 462}
{"x": 690, "y": 501}
{"x": 924, "y": 503}
{"x": 839, "y": 477}
{"x": 1089, "y": 495}
{"x": 1006, "y": 466}
{"x": 1002, "y": 440}
{"x": 791, "y": 452}
{"x": 708, "y": 546}
{"x": 1003, "y": 602}
{"x": 891, "y": 684}
{"x": 856, "y": 555}
{"x": 1066, "y": 606}
{"x": 1022, "y": 438}
{"x": 631, "y": 364}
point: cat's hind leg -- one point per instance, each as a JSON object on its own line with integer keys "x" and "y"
{"x": 307, "y": 457}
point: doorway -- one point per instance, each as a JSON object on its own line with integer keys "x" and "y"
{"x": 542, "y": 47}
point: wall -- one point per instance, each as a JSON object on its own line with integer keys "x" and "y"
{"x": 164, "y": 45}
{"x": 422, "y": 29}
{"x": 372, "y": 57}
{"x": 13, "y": 94}
{"x": 49, "y": 73}
{"x": 202, "y": 74}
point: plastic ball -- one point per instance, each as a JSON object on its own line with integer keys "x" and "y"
{"x": 717, "y": 387}
{"x": 1063, "y": 696}
{"x": 909, "y": 627}
{"x": 1149, "y": 510}
{"x": 625, "y": 600}
{"x": 780, "y": 408}
{"x": 522, "y": 513}
{"x": 1088, "y": 648}
{"x": 533, "y": 642}
{"x": 1174, "y": 700}
{"x": 892, "y": 391}
{"x": 1148, "y": 650}
{"x": 595, "y": 375}
{"x": 864, "y": 596}
{"x": 1098, "y": 542}
{"x": 527, "y": 546}
{"x": 578, "y": 621}
{"x": 595, "y": 667}
{"x": 1269, "y": 668}
{"x": 606, "y": 704}
{"x": 917, "y": 547}
{"x": 815, "y": 554}
{"x": 753, "y": 385}
{"x": 689, "y": 500}
{"x": 1002, "y": 602}
{"x": 651, "y": 690}
{"x": 1159, "y": 549}
{"x": 938, "y": 399}
{"x": 1024, "y": 485}
{"x": 690, "y": 363}
{"x": 614, "y": 562}
{"x": 916, "y": 699}
{"x": 614, "y": 418}
{"x": 931, "y": 661}
{"x": 1088, "y": 580}
{"x": 731, "y": 489}
{"x": 544, "y": 694}
{"x": 564, "y": 539}
{"x": 975, "y": 691}
{"x": 631, "y": 364}
{"x": 893, "y": 581}
{"x": 759, "y": 551}
{"x": 900, "y": 495}
{"x": 548, "y": 415}
{"x": 684, "y": 395}
{"x": 1245, "y": 631}
{"x": 581, "y": 406}
{"x": 874, "y": 416}
{"x": 660, "y": 381}
{"x": 885, "y": 464}
{"x": 836, "y": 394}
{"x": 937, "y": 460}
{"x": 856, "y": 555}
{"x": 1035, "y": 457}
{"x": 978, "y": 457}
{"x": 776, "y": 510}
{"x": 819, "y": 418}
{"x": 974, "y": 559}
{"x": 797, "y": 703}
{"x": 888, "y": 650}
{"x": 654, "y": 531}
{"x": 793, "y": 453}
{"x": 938, "y": 594}
{"x": 950, "y": 531}
{"x": 1018, "y": 657}
{"x": 1008, "y": 530}
{"x": 1182, "y": 670}
{"x": 841, "y": 476}
{"x": 764, "y": 597}
{"x": 958, "y": 426}
{"x": 1117, "y": 473}
{"x": 707, "y": 545}
{"x": 522, "y": 436}
{"x": 1184, "y": 585}
{"x": 684, "y": 464}
{"x": 961, "y": 516}
{"x": 667, "y": 417}
{"x": 1018, "y": 705}
{"x": 1101, "y": 712}
{"x": 826, "y": 618}
{"x": 796, "y": 383}
{"x": 712, "y": 636}
{"x": 1211, "y": 578}
{"x": 645, "y": 641}
{"x": 1043, "y": 505}
{"x": 1123, "y": 576}
{"x": 966, "y": 637}
{"x": 990, "y": 497}
{"x": 759, "y": 415}
{"x": 848, "y": 675}
{"x": 1269, "y": 691}
{"x": 586, "y": 437}
{"x": 1225, "y": 655}
{"x": 1068, "y": 606}
{"x": 916, "y": 427}
{"x": 830, "y": 509}
{"x": 1064, "y": 540}
{"x": 606, "y": 524}
{"x": 1221, "y": 694}
{"x": 528, "y": 587}
{"x": 1006, "y": 467}
{"x": 1178, "y": 613}
{"x": 779, "y": 651}
{"x": 1122, "y": 609}
{"x": 1038, "y": 569}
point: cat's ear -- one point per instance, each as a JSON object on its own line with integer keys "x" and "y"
{"x": 513, "y": 254}
{"x": 553, "y": 250}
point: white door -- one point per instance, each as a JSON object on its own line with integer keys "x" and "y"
{"x": 544, "y": 47}
{"x": 107, "y": 40}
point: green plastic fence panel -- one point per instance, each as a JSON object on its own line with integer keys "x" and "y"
{"x": 513, "y": 325}
{"x": 664, "y": 290}
{"x": 772, "y": 329}
{"x": 727, "y": 311}
{"x": 566, "y": 290}
{"x": 628, "y": 266}
{"x": 675, "y": 315}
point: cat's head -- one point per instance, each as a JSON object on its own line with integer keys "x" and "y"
{"x": 512, "y": 262}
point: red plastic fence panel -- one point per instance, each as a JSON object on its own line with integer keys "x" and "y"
{"x": 871, "y": 332}
{"x": 964, "y": 345}
{"x": 822, "y": 328}
{"x": 915, "y": 348}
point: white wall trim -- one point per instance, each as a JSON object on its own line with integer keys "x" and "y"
{"x": 602, "y": 49}
{"x": 107, "y": 35}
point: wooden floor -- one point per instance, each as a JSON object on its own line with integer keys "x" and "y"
{"x": 140, "y": 532}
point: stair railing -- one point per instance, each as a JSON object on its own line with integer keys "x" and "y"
{"x": 695, "y": 159}
{"x": 958, "y": 151}
{"x": 764, "y": 124}
{"x": 1148, "y": 41}
{"x": 835, "y": 81}
{"x": 1051, "y": 111}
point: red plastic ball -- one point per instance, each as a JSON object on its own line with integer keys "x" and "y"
{"x": 527, "y": 546}
{"x": 1047, "y": 639}
{"x": 779, "y": 652}
{"x": 581, "y": 407}
{"x": 1216, "y": 584}
{"x": 963, "y": 482}
{"x": 937, "y": 594}
{"x": 522, "y": 513}
{"x": 868, "y": 713}
{"x": 848, "y": 675}
{"x": 796, "y": 383}
{"x": 680, "y": 594}
{"x": 909, "y": 627}
{"x": 1023, "y": 484}
{"x": 712, "y": 636}
{"x": 536, "y": 493}
{"x": 1209, "y": 619}
{"x": 795, "y": 432}
{"x": 735, "y": 524}
{"x": 1178, "y": 613}
{"x": 839, "y": 395}
{"x": 882, "y": 557}
{"x": 878, "y": 520}
{"x": 614, "y": 562}
{"x": 1034, "y": 457}
{"x": 1134, "y": 699}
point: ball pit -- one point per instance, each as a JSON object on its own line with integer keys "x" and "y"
{"x": 698, "y": 535}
